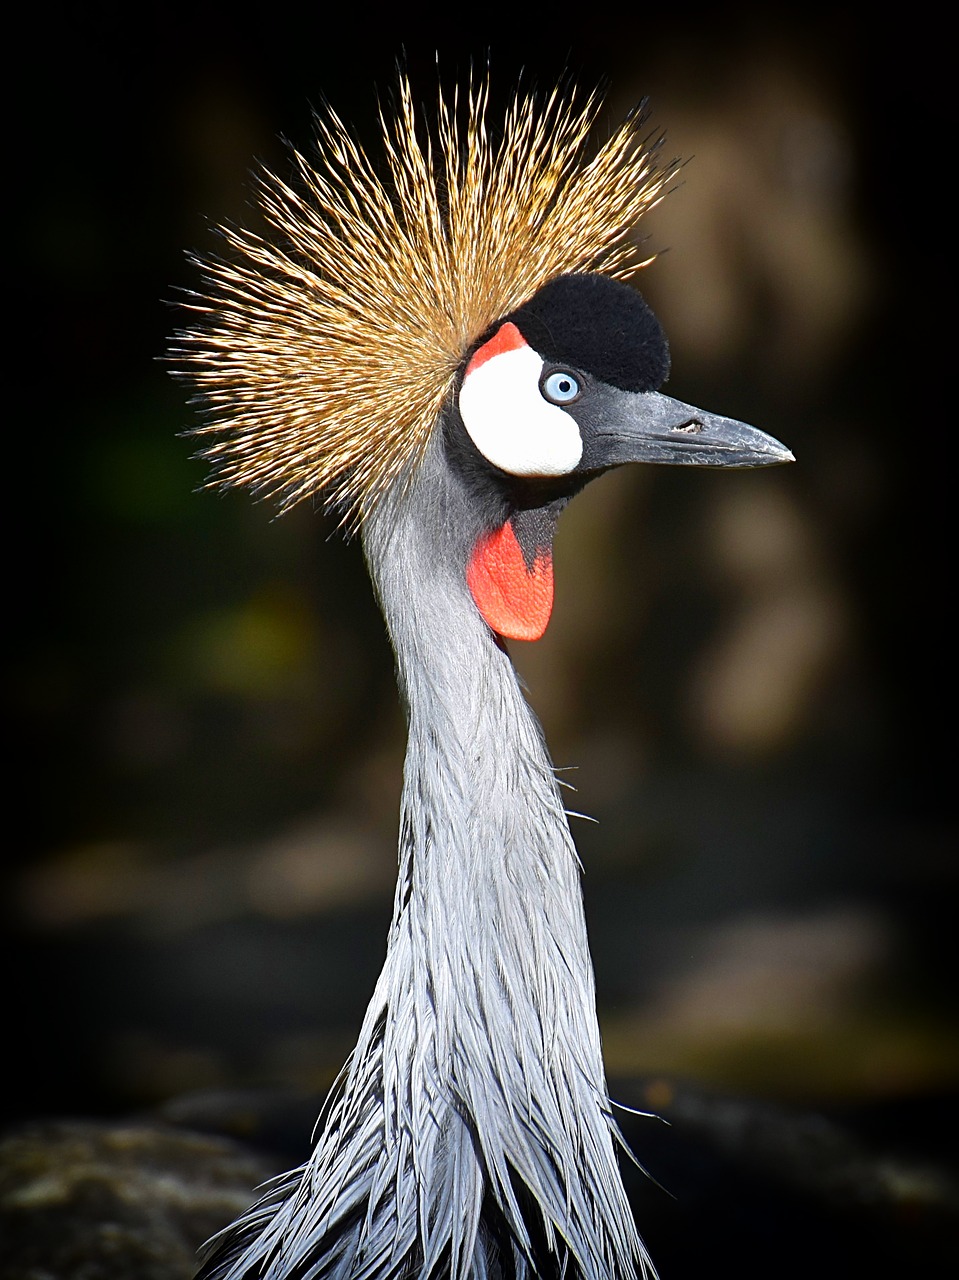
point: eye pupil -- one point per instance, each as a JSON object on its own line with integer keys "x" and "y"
{"x": 561, "y": 388}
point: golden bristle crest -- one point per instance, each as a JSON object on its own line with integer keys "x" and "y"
{"x": 324, "y": 354}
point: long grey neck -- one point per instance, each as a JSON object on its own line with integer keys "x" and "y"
{"x": 486, "y": 857}
{"x": 470, "y": 1136}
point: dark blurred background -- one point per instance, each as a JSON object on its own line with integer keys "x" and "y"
{"x": 745, "y": 668}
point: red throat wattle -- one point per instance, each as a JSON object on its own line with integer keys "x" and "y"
{"x": 514, "y": 598}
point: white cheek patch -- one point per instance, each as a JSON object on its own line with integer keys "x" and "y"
{"x": 508, "y": 420}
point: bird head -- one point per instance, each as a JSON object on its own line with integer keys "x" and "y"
{"x": 557, "y": 393}
{"x": 479, "y": 293}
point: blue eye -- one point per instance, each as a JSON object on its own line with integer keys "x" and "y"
{"x": 561, "y": 387}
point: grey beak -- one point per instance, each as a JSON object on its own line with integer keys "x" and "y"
{"x": 645, "y": 426}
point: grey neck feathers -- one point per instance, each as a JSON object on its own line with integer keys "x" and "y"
{"x": 469, "y": 1135}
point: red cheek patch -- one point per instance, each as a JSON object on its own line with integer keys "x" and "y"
{"x": 516, "y": 601}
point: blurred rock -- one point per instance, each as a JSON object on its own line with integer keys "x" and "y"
{"x": 88, "y": 1201}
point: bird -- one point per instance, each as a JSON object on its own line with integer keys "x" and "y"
{"x": 441, "y": 345}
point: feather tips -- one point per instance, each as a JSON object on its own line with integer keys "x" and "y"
{"x": 323, "y": 351}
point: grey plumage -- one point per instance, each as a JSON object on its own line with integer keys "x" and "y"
{"x": 471, "y": 1129}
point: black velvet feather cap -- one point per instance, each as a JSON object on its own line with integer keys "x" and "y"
{"x": 600, "y": 325}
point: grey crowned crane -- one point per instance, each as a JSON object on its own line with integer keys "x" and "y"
{"x": 447, "y": 353}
